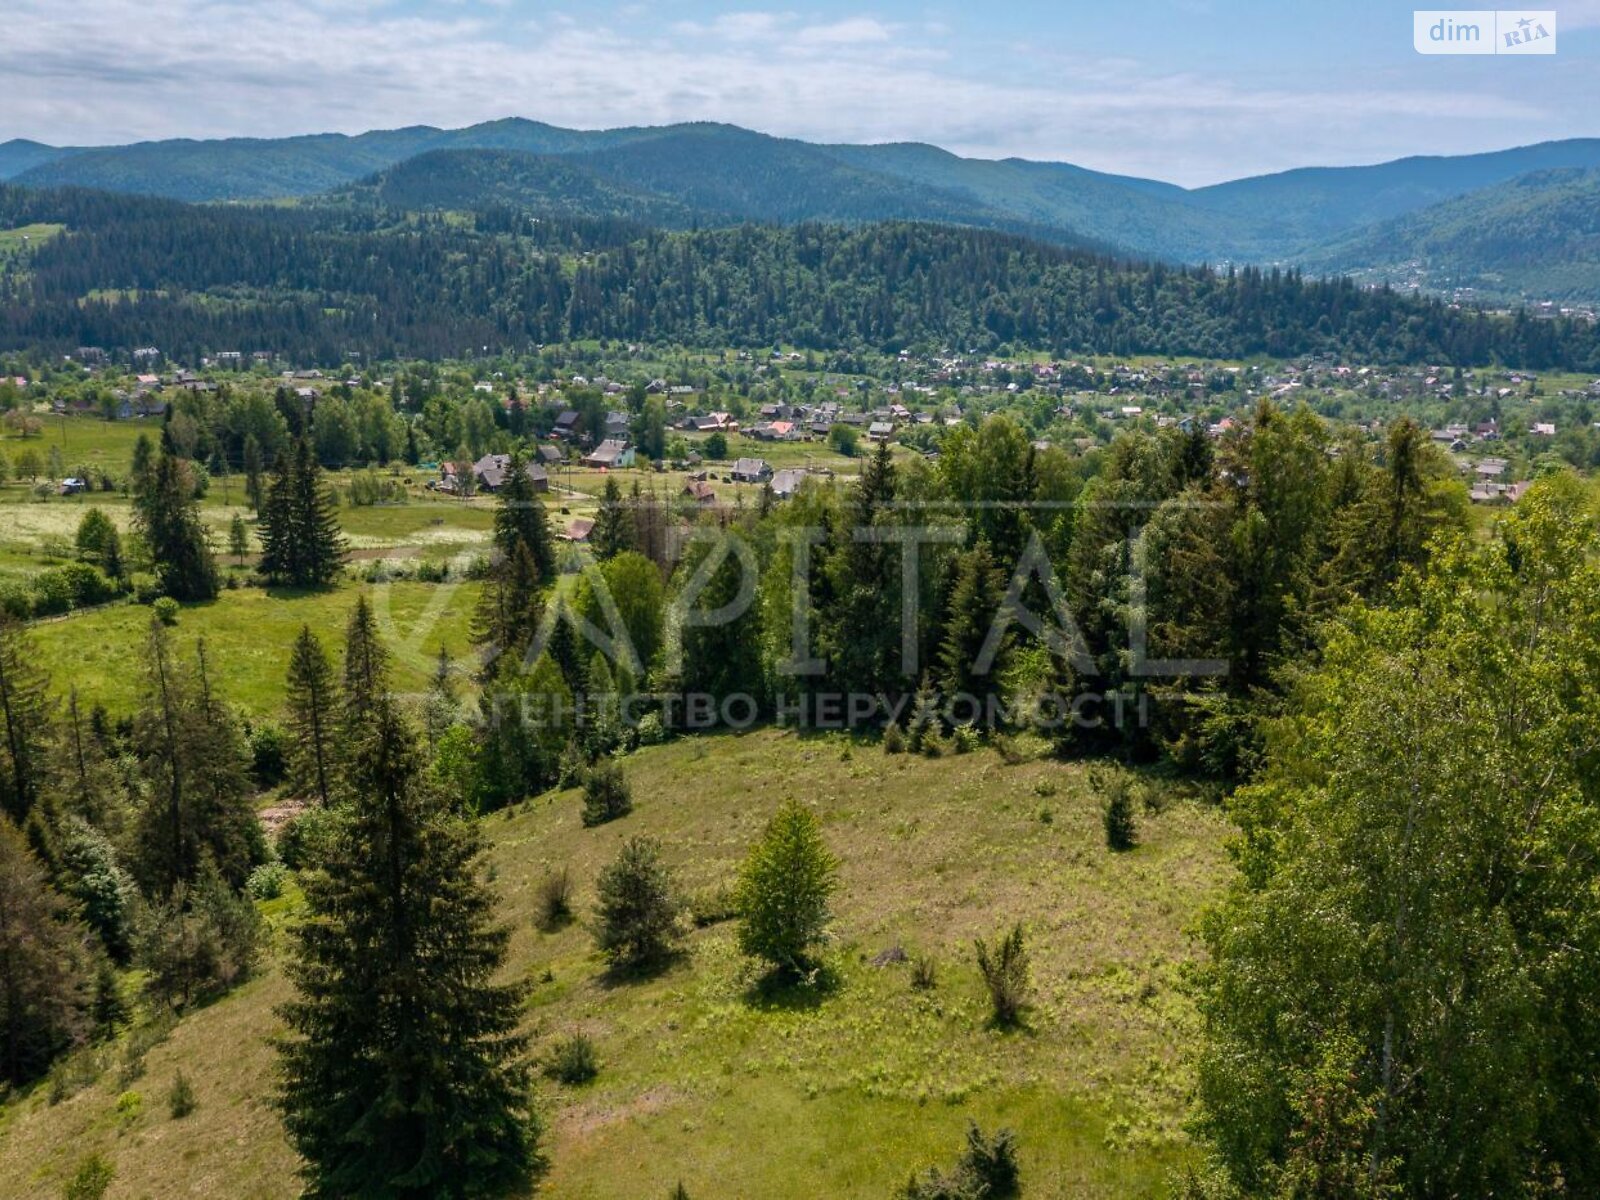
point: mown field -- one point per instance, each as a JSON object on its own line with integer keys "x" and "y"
{"x": 738, "y": 1092}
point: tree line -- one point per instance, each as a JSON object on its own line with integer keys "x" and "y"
{"x": 323, "y": 284}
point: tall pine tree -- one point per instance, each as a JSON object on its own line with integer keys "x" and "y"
{"x": 169, "y": 518}
{"x": 404, "y": 1077}
{"x": 312, "y": 718}
{"x": 24, "y": 723}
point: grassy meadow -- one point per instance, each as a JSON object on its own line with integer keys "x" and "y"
{"x": 707, "y": 1077}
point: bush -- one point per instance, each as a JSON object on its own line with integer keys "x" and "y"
{"x": 555, "y": 898}
{"x": 894, "y": 741}
{"x": 1122, "y": 832}
{"x": 783, "y": 891}
{"x": 198, "y": 943}
{"x": 651, "y": 730}
{"x": 16, "y": 600}
{"x": 266, "y": 881}
{"x": 146, "y": 589}
{"x": 924, "y": 973}
{"x": 52, "y": 593}
{"x": 987, "y": 1170}
{"x": 713, "y": 905}
{"x": 267, "y": 755}
{"x": 606, "y": 794}
{"x": 965, "y": 739}
{"x": 301, "y": 838}
{"x": 573, "y": 1060}
{"x": 636, "y": 914}
{"x": 90, "y": 1180}
{"x": 166, "y": 610}
{"x": 180, "y": 1097}
{"x": 1004, "y": 967}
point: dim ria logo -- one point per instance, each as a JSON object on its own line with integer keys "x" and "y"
{"x": 1483, "y": 31}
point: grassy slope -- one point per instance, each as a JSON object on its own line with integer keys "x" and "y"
{"x": 739, "y": 1094}
{"x": 250, "y": 631}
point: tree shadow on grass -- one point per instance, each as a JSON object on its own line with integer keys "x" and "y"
{"x": 627, "y": 974}
{"x": 787, "y": 991}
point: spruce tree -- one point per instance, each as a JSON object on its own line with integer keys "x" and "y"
{"x": 238, "y": 539}
{"x": 404, "y": 1077}
{"x": 978, "y": 592}
{"x": 312, "y": 718}
{"x": 321, "y": 543}
{"x": 277, "y": 524}
{"x": 613, "y": 531}
{"x": 301, "y": 543}
{"x": 197, "y": 795}
{"x": 44, "y": 967}
{"x": 252, "y": 471}
{"x": 519, "y": 517}
{"x": 169, "y": 518}
{"x": 366, "y": 669}
{"x": 24, "y": 722}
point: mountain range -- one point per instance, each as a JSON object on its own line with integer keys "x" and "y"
{"x": 1513, "y": 224}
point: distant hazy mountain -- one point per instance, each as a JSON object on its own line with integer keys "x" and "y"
{"x": 19, "y": 155}
{"x": 705, "y": 174}
{"x": 1315, "y": 203}
{"x": 1534, "y": 237}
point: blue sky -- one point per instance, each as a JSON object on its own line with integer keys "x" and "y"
{"x": 1191, "y": 91}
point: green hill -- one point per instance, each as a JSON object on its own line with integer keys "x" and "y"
{"x": 709, "y": 174}
{"x": 1535, "y": 237}
{"x": 798, "y": 1094}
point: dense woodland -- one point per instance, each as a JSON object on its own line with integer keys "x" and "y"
{"x": 324, "y": 284}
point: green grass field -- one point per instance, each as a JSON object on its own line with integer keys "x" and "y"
{"x": 792, "y": 1096}
{"x": 248, "y": 633}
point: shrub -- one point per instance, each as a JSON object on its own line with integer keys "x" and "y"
{"x": 986, "y": 1170}
{"x": 636, "y": 913}
{"x": 555, "y": 898}
{"x": 146, "y": 589}
{"x": 965, "y": 739}
{"x": 268, "y": 762}
{"x": 894, "y": 741}
{"x": 266, "y": 881}
{"x": 1004, "y": 967}
{"x": 52, "y": 593}
{"x": 783, "y": 891}
{"x": 198, "y": 943}
{"x": 651, "y": 731}
{"x": 1122, "y": 832}
{"x": 90, "y": 1180}
{"x": 16, "y": 600}
{"x": 573, "y": 1060}
{"x": 166, "y": 610}
{"x": 606, "y": 794}
{"x": 302, "y": 837}
{"x": 713, "y": 905}
{"x": 180, "y": 1097}
{"x": 924, "y": 973}
{"x": 130, "y": 1106}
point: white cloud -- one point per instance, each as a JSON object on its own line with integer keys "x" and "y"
{"x": 110, "y": 71}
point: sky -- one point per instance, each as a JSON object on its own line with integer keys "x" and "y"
{"x": 1190, "y": 91}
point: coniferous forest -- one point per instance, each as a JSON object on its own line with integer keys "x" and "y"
{"x": 327, "y": 283}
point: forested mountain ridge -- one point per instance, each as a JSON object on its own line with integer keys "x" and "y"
{"x": 317, "y": 285}
{"x": 1535, "y": 236}
{"x": 722, "y": 174}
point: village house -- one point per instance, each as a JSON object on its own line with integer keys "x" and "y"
{"x": 490, "y": 472}
{"x": 609, "y": 455}
{"x": 750, "y": 470}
